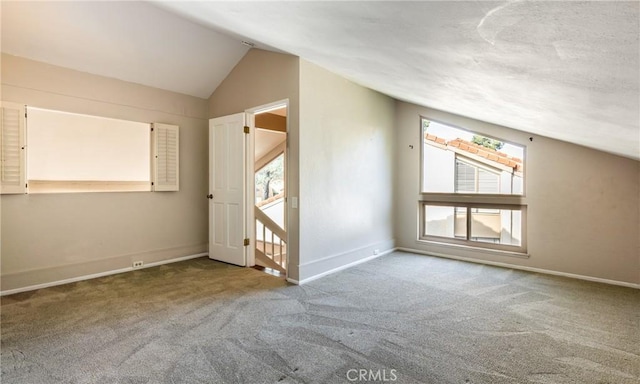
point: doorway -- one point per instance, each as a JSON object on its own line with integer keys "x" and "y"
{"x": 247, "y": 188}
{"x": 270, "y": 180}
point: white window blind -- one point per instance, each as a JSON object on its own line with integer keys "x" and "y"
{"x": 12, "y": 148}
{"x": 166, "y": 157}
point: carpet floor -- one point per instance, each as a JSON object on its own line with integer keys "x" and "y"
{"x": 400, "y": 318}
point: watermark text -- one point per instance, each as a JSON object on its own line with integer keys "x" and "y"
{"x": 379, "y": 375}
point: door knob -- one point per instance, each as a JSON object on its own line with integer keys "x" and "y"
{"x": 210, "y": 196}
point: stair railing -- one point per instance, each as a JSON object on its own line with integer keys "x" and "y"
{"x": 276, "y": 248}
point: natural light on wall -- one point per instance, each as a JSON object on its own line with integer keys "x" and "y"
{"x": 70, "y": 152}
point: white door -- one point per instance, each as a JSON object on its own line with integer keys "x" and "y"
{"x": 227, "y": 186}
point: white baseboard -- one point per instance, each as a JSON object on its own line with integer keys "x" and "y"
{"x": 96, "y": 275}
{"x": 523, "y": 268}
{"x": 340, "y": 268}
{"x": 177, "y": 259}
{"x": 321, "y": 266}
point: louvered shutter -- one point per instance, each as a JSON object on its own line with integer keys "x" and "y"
{"x": 465, "y": 177}
{"x": 488, "y": 182}
{"x": 166, "y": 157}
{"x": 12, "y": 149}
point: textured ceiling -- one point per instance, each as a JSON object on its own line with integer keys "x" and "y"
{"x": 132, "y": 41}
{"x": 567, "y": 70}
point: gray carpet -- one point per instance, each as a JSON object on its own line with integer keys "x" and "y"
{"x": 415, "y": 319}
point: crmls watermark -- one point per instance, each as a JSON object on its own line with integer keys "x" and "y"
{"x": 378, "y": 375}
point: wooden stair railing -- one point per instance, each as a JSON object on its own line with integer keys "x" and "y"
{"x": 268, "y": 262}
{"x": 272, "y": 249}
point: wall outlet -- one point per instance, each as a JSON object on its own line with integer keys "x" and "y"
{"x": 138, "y": 264}
{"x": 376, "y": 251}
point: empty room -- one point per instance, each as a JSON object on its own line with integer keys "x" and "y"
{"x": 320, "y": 192}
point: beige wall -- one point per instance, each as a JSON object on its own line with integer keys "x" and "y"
{"x": 583, "y": 204}
{"x": 50, "y": 237}
{"x": 260, "y": 78}
{"x": 346, "y": 171}
{"x": 349, "y": 163}
{"x": 345, "y": 204}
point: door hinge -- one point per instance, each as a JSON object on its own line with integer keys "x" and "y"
{"x": 246, "y": 129}
{"x": 246, "y": 242}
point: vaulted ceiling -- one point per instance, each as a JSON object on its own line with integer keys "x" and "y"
{"x": 129, "y": 40}
{"x": 567, "y": 70}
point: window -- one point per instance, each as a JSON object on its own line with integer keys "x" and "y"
{"x": 69, "y": 152}
{"x": 480, "y": 225}
{"x": 269, "y": 180}
{"x": 471, "y": 190}
{"x": 52, "y": 151}
{"x": 459, "y": 161}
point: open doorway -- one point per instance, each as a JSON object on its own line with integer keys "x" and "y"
{"x": 270, "y": 159}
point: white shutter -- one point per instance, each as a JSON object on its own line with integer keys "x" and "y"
{"x": 488, "y": 182}
{"x": 465, "y": 177}
{"x": 165, "y": 142}
{"x": 12, "y": 149}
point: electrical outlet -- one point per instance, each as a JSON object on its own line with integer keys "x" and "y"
{"x": 376, "y": 251}
{"x": 138, "y": 264}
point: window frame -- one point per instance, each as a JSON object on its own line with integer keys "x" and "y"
{"x": 498, "y": 195}
{"x": 41, "y": 122}
{"x": 516, "y": 249}
{"x": 471, "y": 200}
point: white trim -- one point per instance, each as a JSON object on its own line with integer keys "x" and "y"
{"x": 269, "y": 107}
{"x": 293, "y": 281}
{"x": 250, "y": 187}
{"x": 177, "y": 259}
{"x": 96, "y": 275}
{"x": 523, "y": 268}
{"x": 467, "y": 247}
{"x": 379, "y": 244}
{"x": 340, "y": 268}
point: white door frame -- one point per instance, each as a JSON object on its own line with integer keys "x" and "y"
{"x": 251, "y": 178}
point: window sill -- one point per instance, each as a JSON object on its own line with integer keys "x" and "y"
{"x": 494, "y": 252}
{"x": 472, "y": 198}
{"x": 77, "y": 186}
